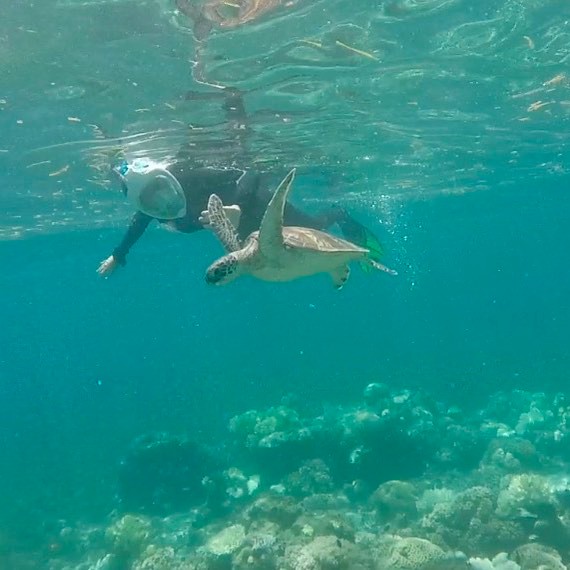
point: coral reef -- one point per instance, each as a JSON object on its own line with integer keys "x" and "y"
{"x": 403, "y": 553}
{"x": 126, "y": 537}
{"x": 163, "y": 473}
{"x": 398, "y": 481}
{"x": 395, "y": 501}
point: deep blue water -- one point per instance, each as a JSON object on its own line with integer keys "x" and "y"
{"x": 481, "y": 304}
{"x": 440, "y": 124}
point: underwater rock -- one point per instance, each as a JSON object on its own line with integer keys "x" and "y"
{"x": 531, "y": 420}
{"x": 313, "y": 493}
{"x": 239, "y": 486}
{"x": 155, "y": 558}
{"x": 375, "y": 393}
{"x": 178, "y": 531}
{"x": 273, "y": 440}
{"x": 410, "y": 428}
{"x": 163, "y": 474}
{"x": 278, "y": 509}
{"x": 108, "y": 562}
{"x": 533, "y": 556}
{"x": 398, "y": 553}
{"x": 408, "y": 440}
{"x": 551, "y": 528}
{"x": 325, "y": 502}
{"x": 332, "y": 524}
{"x": 526, "y": 492}
{"x": 541, "y": 419}
{"x": 261, "y": 552}
{"x": 127, "y": 537}
{"x": 509, "y": 534}
{"x": 313, "y": 477}
{"x": 252, "y": 427}
{"x": 395, "y": 501}
{"x": 324, "y": 553}
{"x": 499, "y": 562}
{"x": 503, "y": 460}
{"x": 463, "y": 447}
{"x": 357, "y": 441}
{"x": 227, "y": 541}
{"x": 219, "y": 550}
{"x": 431, "y": 498}
{"x": 507, "y": 406}
{"x": 469, "y": 523}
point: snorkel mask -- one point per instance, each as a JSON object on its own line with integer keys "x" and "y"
{"x": 151, "y": 188}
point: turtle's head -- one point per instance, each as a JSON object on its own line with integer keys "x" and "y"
{"x": 223, "y": 271}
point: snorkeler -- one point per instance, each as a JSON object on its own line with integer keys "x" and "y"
{"x": 176, "y": 195}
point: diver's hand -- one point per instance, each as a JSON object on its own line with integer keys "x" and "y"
{"x": 107, "y": 266}
{"x": 233, "y": 213}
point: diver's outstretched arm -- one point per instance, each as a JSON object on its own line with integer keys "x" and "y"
{"x": 139, "y": 223}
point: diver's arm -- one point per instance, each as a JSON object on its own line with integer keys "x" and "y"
{"x": 139, "y": 223}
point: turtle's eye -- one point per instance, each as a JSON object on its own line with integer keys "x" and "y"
{"x": 218, "y": 273}
{"x": 221, "y": 271}
{"x": 214, "y": 275}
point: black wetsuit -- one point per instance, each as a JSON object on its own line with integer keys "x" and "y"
{"x": 233, "y": 186}
{"x": 249, "y": 190}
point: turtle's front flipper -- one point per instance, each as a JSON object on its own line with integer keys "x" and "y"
{"x": 221, "y": 225}
{"x": 379, "y": 266}
{"x": 271, "y": 230}
{"x": 340, "y": 276}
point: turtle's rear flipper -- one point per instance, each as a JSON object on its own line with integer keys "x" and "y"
{"x": 360, "y": 235}
{"x": 340, "y": 276}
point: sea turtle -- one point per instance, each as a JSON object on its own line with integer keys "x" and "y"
{"x": 281, "y": 253}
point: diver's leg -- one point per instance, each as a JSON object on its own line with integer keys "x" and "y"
{"x": 253, "y": 195}
{"x": 293, "y": 216}
{"x": 359, "y": 234}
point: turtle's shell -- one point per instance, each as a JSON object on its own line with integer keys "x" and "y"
{"x": 314, "y": 240}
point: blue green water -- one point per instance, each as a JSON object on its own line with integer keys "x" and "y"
{"x": 425, "y": 145}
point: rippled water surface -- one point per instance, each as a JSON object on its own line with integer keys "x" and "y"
{"x": 396, "y": 99}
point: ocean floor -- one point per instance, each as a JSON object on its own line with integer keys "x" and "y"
{"x": 398, "y": 481}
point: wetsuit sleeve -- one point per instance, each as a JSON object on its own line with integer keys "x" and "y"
{"x": 139, "y": 223}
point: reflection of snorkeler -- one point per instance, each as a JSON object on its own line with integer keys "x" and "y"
{"x": 224, "y": 14}
{"x": 177, "y": 195}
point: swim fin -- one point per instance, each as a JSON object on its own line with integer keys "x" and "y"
{"x": 362, "y": 236}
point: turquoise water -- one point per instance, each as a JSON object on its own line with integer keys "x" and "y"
{"x": 441, "y": 125}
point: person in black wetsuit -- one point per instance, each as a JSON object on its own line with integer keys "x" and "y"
{"x": 177, "y": 195}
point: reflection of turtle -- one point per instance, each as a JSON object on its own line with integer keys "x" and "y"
{"x": 223, "y": 14}
{"x": 278, "y": 253}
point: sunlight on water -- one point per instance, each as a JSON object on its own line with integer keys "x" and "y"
{"x": 428, "y": 97}
{"x": 151, "y": 420}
